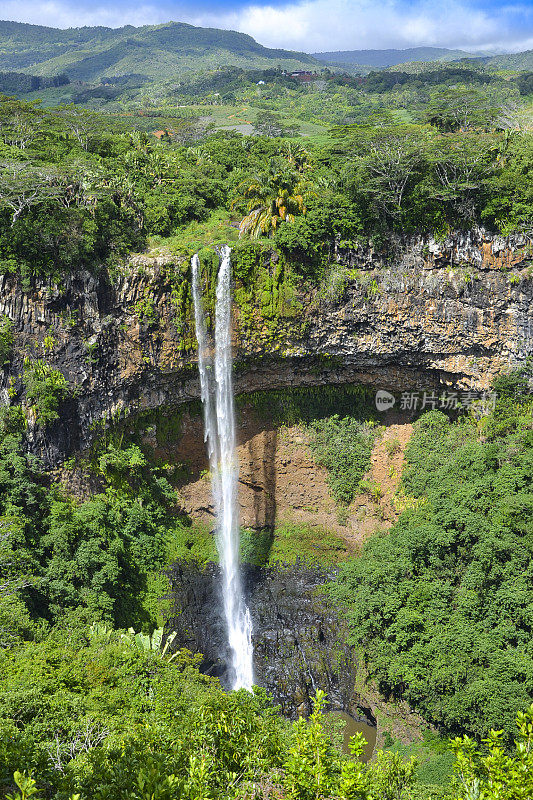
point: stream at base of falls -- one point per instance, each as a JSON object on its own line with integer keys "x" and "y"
{"x": 354, "y": 726}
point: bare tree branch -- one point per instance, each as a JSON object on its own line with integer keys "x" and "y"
{"x": 22, "y": 186}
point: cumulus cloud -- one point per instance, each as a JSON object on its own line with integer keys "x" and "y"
{"x": 322, "y": 25}
{"x": 311, "y": 25}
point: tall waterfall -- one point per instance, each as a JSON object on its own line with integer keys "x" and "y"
{"x": 219, "y": 434}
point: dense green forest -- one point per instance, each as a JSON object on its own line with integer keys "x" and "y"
{"x": 81, "y": 188}
{"x": 95, "y": 702}
{"x": 440, "y": 606}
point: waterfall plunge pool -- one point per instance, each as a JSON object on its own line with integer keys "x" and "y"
{"x": 352, "y": 727}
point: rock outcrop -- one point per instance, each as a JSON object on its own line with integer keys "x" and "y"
{"x": 299, "y": 639}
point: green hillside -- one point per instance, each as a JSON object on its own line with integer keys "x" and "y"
{"x": 515, "y": 61}
{"x": 22, "y": 45}
{"x": 161, "y": 51}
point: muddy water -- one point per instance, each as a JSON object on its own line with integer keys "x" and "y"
{"x": 356, "y": 726}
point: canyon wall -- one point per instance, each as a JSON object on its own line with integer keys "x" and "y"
{"x": 300, "y": 643}
{"x": 299, "y": 639}
{"x": 432, "y": 315}
{"x": 429, "y": 315}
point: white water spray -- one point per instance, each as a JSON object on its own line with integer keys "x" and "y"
{"x": 219, "y": 433}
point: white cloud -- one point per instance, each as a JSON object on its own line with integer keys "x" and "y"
{"x": 312, "y": 25}
{"x": 73, "y": 15}
{"x": 322, "y": 25}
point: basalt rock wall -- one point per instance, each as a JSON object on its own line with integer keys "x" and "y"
{"x": 428, "y": 314}
{"x": 299, "y": 638}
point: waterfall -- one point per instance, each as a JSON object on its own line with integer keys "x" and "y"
{"x": 219, "y": 434}
{"x": 206, "y": 373}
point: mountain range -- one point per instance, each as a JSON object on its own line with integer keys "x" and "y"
{"x": 389, "y": 58}
{"x": 169, "y": 51}
{"x": 152, "y": 51}
{"x": 381, "y": 59}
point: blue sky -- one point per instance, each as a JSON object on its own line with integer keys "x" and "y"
{"x": 310, "y": 25}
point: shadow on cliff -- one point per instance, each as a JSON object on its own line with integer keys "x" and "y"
{"x": 263, "y": 457}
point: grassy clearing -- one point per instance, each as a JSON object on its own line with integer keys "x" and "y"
{"x": 291, "y": 542}
{"x": 434, "y": 758}
{"x": 218, "y": 229}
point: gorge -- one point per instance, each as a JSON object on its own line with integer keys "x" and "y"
{"x": 446, "y": 316}
{"x": 266, "y": 420}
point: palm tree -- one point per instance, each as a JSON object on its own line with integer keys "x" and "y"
{"x": 272, "y": 197}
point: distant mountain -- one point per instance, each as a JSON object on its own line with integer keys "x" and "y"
{"x": 389, "y": 58}
{"x": 518, "y": 61}
{"x": 153, "y": 51}
{"x": 508, "y": 61}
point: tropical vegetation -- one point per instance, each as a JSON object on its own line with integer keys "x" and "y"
{"x": 439, "y": 607}
{"x": 96, "y": 701}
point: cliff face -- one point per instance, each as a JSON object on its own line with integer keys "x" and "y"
{"x": 449, "y": 314}
{"x": 299, "y": 638}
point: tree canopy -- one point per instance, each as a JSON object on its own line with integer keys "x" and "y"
{"x": 440, "y": 607}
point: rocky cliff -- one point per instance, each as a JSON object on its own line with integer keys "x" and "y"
{"x": 430, "y": 315}
{"x": 299, "y": 642}
{"x": 299, "y": 639}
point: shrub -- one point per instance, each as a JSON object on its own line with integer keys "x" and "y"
{"x": 46, "y": 388}
{"x": 344, "y": 447}
{"x": 392, "y": 446}
{"x": 6, "y": 340}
